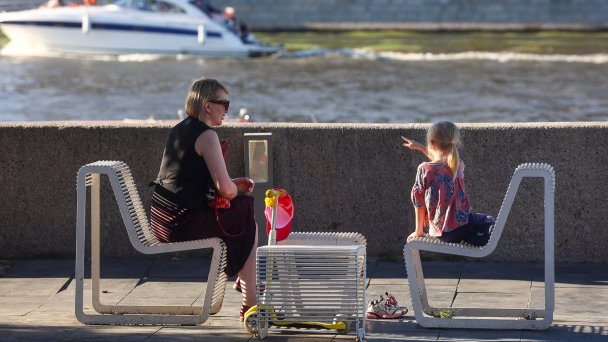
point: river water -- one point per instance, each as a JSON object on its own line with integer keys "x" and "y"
{"x": 314, "y": 86}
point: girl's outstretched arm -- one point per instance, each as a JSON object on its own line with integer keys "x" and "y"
{"x": 420, "y": 212}
{"x": 415, "y": 146}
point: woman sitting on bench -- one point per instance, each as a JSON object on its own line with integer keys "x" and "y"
{"x": 195, "y": 198}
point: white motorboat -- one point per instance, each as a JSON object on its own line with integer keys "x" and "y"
{"x": 166, "y": 27}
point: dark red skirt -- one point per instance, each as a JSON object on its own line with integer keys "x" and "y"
{"x": 236, "y": 226}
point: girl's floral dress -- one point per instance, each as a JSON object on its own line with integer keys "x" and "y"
{"x": 444, "y": 198}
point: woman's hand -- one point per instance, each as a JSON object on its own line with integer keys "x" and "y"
{"x": 412, "y": 144}
{"x": 244, "y": 184}
{"x": 414, "y": 235}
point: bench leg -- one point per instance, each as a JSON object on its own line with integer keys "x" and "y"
{"x": 471, "y": 318}
{"x": 415, "y": 277}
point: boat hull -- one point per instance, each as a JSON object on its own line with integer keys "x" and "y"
{"x": 118, "y": 32}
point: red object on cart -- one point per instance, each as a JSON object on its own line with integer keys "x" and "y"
{"x": 285, "y": 212}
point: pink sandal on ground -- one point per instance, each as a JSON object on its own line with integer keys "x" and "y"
{"x": 385, "y": 308}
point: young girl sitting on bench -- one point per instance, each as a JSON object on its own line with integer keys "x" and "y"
{"x": 439, "y": 197}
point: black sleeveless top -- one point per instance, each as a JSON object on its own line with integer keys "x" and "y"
{"x": 179, "y": 209}
{"x": 184, "y": 177}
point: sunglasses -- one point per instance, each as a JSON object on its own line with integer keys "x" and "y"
{"x": 226, "y": 103}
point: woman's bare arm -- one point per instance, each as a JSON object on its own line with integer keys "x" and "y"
{"x": 208, "y": 146}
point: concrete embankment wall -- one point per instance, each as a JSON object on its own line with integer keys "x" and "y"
{"x": 408, "y": 14}
{"x": 342, "y": 177}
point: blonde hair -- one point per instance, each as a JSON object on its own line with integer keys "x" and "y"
{"x": 201, "y": 91}
{"x": 446, "y": 136}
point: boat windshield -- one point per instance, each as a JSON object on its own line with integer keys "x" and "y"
{"x": 206, "y": 7}
{"x": 151, "y": 5}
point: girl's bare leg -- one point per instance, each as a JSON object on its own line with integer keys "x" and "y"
{"x": 247, "y": 274}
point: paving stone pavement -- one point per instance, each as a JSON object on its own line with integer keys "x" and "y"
{"x": 37, "y": 301}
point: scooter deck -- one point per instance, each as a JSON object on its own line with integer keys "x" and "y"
{"x": 340, "y": 326}
{"x": 321, "y": 325}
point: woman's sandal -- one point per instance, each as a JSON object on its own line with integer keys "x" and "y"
{"x": 237, "y": 285}
{"x": 244, "y": 308}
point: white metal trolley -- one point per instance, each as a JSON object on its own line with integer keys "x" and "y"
{"x": 310, "y": 280}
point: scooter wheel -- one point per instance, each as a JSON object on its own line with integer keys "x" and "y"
{"x": 345, "y": 330}
{"x": 250, "y": 322}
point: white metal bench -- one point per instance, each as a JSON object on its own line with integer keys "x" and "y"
{"x": 143, "y": 240}
{"x": 524, "y": 318}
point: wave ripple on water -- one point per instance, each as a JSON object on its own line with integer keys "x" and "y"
{"x": 325, "y": 85}
{"x": 469, "y": 55}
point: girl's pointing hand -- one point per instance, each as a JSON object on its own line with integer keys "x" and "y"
{"x": 412, "y": 144}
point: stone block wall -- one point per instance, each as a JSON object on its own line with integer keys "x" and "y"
{"x": 342, "y": 177}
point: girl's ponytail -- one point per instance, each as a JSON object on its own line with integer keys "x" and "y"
{"x": 453, "y": 160}
{"x": 446, "y": 137}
